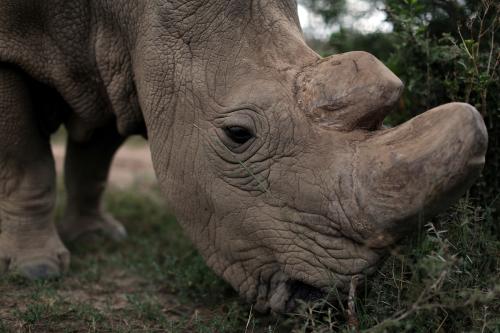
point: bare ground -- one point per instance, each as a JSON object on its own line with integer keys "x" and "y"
{"x": 156, "y": 282}
{"x": 104, "y": 291}
{"x": 131, "y": 165}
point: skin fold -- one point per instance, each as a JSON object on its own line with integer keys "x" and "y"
{"x": 273, "y": 159}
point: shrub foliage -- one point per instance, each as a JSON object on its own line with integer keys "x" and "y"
{"x": 447, "y": 280}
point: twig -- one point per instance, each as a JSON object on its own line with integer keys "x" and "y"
{"x": 352, "y": 319}
{"x": 250, "y": 315}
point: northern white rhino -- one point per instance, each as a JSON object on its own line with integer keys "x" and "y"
{"x": 273, "y": 159}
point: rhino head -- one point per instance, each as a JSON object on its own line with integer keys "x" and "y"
{"x": 275, "y": 160}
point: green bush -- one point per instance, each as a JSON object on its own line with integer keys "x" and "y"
{"x": 445, "y": 279}
{"x": 443, "y": 51}
{"x": 380, "y": 44}
{"x": 450, "y": 52}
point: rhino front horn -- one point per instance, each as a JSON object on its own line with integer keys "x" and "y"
{"x": 415, "y": 170}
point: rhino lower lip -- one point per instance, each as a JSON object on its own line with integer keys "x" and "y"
{"x": 287, "y": 295}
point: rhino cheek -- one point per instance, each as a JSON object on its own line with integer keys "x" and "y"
{"x": 264, "y": 250}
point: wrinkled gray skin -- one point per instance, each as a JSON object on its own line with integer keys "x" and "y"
{"x": 312, "y": 199}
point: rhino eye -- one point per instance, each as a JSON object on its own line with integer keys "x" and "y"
{"x": 238, "y": 134}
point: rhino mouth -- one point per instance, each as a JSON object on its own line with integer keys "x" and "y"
{"x": 301, "y": 291}
{"x": 288, "y": 294}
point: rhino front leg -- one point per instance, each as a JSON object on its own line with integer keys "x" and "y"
{"x": 29, "y": 244}
{"x": 86, "y": 171}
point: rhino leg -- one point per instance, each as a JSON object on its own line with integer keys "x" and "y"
{"x": 29, "y": 243}
{"x": 86, "y": 171}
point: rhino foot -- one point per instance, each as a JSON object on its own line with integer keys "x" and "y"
{"x": 43, "y": 261}
{"x": 74, "y": 227}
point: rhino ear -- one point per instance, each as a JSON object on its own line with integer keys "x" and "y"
{"x": 348, "y": 91}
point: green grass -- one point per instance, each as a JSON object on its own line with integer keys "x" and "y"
{"x": 445, "y": 279}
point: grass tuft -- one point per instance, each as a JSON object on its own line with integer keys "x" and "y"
{"x": 446, "y": 279}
